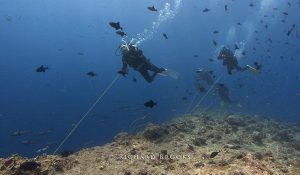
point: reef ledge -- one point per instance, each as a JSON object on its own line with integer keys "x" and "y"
{"x": 206, "y": 143}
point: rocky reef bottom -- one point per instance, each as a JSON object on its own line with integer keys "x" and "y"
{"x": 209, "y": 143}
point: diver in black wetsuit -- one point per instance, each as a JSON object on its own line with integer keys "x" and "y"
{"x": 205, "y": 76}
{"x": 230, "y": 60}
{"x": 134, "y": 57}
{"x": 223, "y": 92}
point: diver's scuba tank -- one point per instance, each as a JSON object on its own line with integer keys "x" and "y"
{"x": 124, "y": 46}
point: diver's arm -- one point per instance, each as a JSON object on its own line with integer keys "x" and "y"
{"x": 125, "y": 65}
{"x": 124, "y": 69}
{"x": 229, "y": 70}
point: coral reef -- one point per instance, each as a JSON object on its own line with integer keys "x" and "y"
{"x": 210, "y": 143}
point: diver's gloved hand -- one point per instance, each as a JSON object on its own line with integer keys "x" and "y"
{"x": 123, "y": 72}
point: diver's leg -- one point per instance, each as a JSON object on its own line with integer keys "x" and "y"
{"x": 146, "y": 75}
{"x": 237, "y": 67}
{"x": 229, "y": 70}
{"x": 154, "y": 68}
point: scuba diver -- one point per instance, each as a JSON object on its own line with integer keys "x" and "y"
{"x": 223, "y": 92}
{"x": 230, "y": 60}
{"x": 205, "y": 76}
{"x": 134, "y": 57}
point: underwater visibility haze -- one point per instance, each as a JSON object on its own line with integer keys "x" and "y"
{"x": 58, "y": 57}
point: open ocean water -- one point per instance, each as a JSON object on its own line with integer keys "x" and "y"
{"x": 74, "y": 41}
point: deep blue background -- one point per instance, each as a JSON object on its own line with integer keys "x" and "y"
{"x": 53, "y": 33}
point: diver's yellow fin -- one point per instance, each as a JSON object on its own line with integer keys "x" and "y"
{"x": 252, "y": 69}
{"x": 169, "y": 72}
{"x": 239, "y": 105}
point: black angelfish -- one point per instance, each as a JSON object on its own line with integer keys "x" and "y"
{"x": 121, "y": 33}
{"x": 116, "y": 25}
{"x": 236, "y": 47}
{"x": 200, "y": 88}
{"x": 165, "y": 36}
{"x": 215, "y": 32}
{"x": 214, "y": 42}
{"x": 42, "y": 68}
{"x": 205, "y": 10}
{"x": 134, "y": 79}
{"x": 92, "y": 74}
{"x": 152, "y": 9}
{"x": 291, "y": 30}
{"x": 150, "y": 104}
{"x": 257, "y": 65}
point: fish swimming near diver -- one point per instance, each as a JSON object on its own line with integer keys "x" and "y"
{"x": 205, "y": 76}
{"x": 19, "y": 133}
{"x": 134, "y": 79}
{"x": 285, "y": 13}
{"x": 236, "y": 47}
{"x": 223, "y": 92}
{"x": 165, "y": 36}
{"x": 45, "y": 132}
{"x": 206, "y": 10}
{"x": 26, "y": 142}
{"x": 43, "y": 149}
{"x": 152, "y": 8}
{"x": 291, "y": 30}
{"x": 42, "y": 68}
{"x": 150, "y": 104}
{"x": 121, "y": 33}
{"x": 116, "y": 25}
{"x": 200, "y": 88}
{"x": 215, "y": 32}
{"x": 215, "y": 43}
{"x": 257, "y": 66}
{"x": 266, "y": 26}
{"x": 92, "y": 74}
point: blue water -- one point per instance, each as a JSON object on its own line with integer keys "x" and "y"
{"x": 73, "y": 38}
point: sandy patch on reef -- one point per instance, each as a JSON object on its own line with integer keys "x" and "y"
{"x": 202, "y": 144}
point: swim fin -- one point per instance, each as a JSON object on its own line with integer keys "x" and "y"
{"x": 239, "y": 105}
{"x": 252, "y": 69}
{"x": 171, "y": 73}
